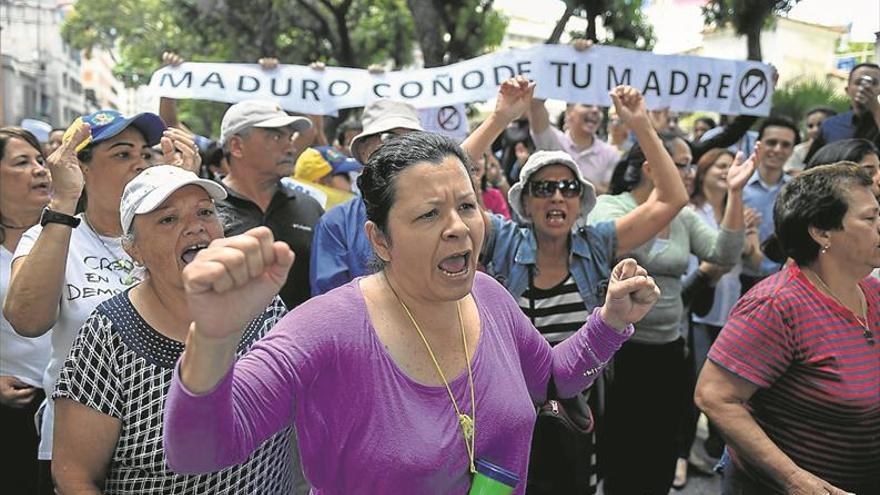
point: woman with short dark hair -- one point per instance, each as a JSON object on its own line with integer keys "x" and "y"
{"x": 25, "y": 188}
{"x": 792, "y": 379}
{"x": 398, "y": 382}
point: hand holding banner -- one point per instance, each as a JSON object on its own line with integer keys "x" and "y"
{"x": 679, "y": 82}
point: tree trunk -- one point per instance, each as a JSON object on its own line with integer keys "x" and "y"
{"x": 427, "y": 22}
{"x": 753, "y": 41}
{"x": 591, "y": 27}
{"x": 594, "y": 9}
{"x": 561, "y": 23}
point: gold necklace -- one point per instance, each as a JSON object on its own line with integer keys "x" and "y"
{"x": 468, "y": 423}
{"x": 863, "y": 306}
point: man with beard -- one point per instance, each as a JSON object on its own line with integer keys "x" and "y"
{"x": 260, "y": 143}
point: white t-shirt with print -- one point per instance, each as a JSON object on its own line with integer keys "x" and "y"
{"x": 22, "y": 357}
{"x": 97, "y": 269}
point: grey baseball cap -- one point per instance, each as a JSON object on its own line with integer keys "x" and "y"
{"x": 383, "y": 115}
{"x": 536, "y": 162}
{"x": 258, "y": 113}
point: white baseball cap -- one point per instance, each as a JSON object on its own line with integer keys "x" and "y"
{"x": 149, "y": 189}
{"x": 258, "y": 113}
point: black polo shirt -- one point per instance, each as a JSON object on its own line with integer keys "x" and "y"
{"x": 291, "y": 216}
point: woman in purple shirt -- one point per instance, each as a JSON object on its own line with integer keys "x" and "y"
{"x": 396, "y": 382}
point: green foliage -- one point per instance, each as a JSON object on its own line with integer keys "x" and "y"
{"x": 748, "y": 17}
{"x": 348, "y": 33}
{"x": 475, "y": 28}
{"x": 626, "y": 24}
{"x": 449, "y": 31}
{"x": 795, "y": 99}
{"x": 744, "y": 14}
{"x": 338, "y": 32}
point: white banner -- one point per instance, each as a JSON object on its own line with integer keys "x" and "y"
{"x": 449, "y": 120}
{"x": 679, "y": 82}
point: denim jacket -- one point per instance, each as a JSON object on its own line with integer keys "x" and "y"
{"x": 511, "y": 250}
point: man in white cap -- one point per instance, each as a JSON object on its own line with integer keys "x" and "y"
{"x": 259, "y": 141}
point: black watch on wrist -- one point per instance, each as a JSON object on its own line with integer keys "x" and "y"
{"x": 51, "y": 216}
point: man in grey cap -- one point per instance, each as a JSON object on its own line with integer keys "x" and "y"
{"x": 342, "y": 250}
{"x": 261, "y": 143}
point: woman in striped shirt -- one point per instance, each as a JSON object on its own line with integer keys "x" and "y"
{"x": 559, "y": 273}
{"x": 793, "y": 380}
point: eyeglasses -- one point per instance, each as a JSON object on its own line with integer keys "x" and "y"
{"x": 384, "y": 137}
{"x": 546, "y": 188}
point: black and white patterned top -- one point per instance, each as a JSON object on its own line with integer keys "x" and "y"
{"x": 122, "y": 367}
{"x": 557, "y": 312}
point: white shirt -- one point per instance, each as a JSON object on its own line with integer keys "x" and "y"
{"x": 22, "y": 357}
{"x": 728, "y": 288}
{"x": 97, "y": 269}
{"x": 596, "y": 162}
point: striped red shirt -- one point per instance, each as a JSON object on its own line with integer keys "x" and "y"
{"x": 818, "y": 377}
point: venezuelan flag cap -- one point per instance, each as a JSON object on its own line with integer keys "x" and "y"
{"x": 107, "y": 123}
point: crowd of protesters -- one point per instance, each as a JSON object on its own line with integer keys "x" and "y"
{"x": 389, "y": 311}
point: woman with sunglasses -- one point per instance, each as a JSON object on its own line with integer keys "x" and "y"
{"x": 657, "y": 344}
{"x": 557, "y": 274}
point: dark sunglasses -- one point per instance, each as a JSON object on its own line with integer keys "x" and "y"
{"x": 546, "y": 188}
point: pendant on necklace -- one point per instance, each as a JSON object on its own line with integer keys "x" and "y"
{"x": 467, "y": 426}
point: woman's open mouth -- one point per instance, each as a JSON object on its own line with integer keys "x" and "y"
{"x": 190, "y": 253}
{"x": 456, "y": 265}
{"x": 556, "y": 217}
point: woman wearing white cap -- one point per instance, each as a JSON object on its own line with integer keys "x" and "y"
{"x": 559, "y": 275}
{"x": 72, "y": 261}
{"x": 111, "y": 390}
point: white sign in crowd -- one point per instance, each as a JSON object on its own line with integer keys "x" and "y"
{"x": 679, "y": 82}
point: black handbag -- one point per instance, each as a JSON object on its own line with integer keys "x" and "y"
{"x": 562, "y": 446}
{"x": 562, "y": 441}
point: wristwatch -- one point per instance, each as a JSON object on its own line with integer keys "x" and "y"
{"x": 51, "y": 216}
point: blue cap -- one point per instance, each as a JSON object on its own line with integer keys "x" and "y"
{"x": 496, "y": 473}
{"x": 339, "y": 162}
{"x": 105, "y": 124}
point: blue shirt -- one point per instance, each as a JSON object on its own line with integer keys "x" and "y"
{"x": 341, "y": 251}
{"x": 761, "y": 197}
{"x": 512, "y": 250}
{"x": 842, "y": 126}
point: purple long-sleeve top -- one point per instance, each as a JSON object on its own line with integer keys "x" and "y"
{"x": 363, "y": 426}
